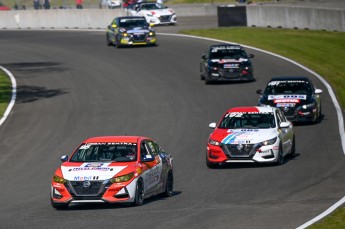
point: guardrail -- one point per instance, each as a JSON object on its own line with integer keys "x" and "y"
{"x": 257, "y": 15}
{"x": 296, "y": 17}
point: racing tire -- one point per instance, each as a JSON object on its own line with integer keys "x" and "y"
{"x": 59, "y": 206}
{"x": 280, "y": 159}
{"x": 207, "y": 80}
{"x": 108, "y": 41}
{"x": 211, "y": 165}
{"x": 139, "y": 193}
{"x": 169, "y": 186}
{"x": 293, "y": 148}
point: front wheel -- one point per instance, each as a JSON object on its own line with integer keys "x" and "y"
{"x": 293, "y": 148}
{"x": 139, "y": 193}
{"x": 280, "y": 159}
{"x": 211, "y": 165}
{"x": 169, "y": 185}
{"x": 59, "y": 206}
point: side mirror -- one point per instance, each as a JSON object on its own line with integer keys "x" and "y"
{"x": 147, "y": 158}
{"x": 318, "y": 91}
{"x": 284, "y": 125}
{"x": 203, "y": 57}
{"x": 212, "y": 125}
{"x": 250, "y": 55}
{"x": 259, "y": 91}
{"x": 64, "y": 158}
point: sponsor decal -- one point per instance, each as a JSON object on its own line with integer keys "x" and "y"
{"x": 272, "y": 83}
{"x": 228, "y": 47}
{"x": 286, "y": 104}
{"x": 240, "y": 114}
{"x": 81, "y": 178}
{"x": 286, "y": 100}
{"x": 277, "y": 97}
{"x": 230, "y": 65}
{"x": 94, "y": 165}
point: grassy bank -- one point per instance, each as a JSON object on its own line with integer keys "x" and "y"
{"x": 321, "y": 51}
{"x": 5, "y": 92}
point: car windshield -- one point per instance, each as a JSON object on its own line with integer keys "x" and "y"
{"x": 137, "y": 22}
{"x": 288, "y": 87}
{"x": 239, "y": 120}
{"x": 227, "y": 53}
{"x": 112, "y": 152}
{"x": 153, "y": 6}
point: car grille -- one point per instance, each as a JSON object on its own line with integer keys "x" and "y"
{"x": 230, "y": 73}
{"x": 139, "y": 37}
{"x": 95, "y": 188}
{"x": 165, "y": 18}
{"x": 236, "y": 151}
{"x": 288, "y": 111}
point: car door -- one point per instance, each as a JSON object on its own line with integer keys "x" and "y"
{"x": 285, "y": 134}
{"x": 153, "y": 174}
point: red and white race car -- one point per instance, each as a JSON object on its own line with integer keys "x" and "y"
{"x": 113, "y": 169}
{"x": 251, "y": 134}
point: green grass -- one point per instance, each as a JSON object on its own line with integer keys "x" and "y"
{"x": 5, "y": 92}
{"x": 335, "y": 221}
{"x": 321, "y": 51}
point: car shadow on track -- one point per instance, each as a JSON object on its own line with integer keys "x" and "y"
{"x": 287, "y": 159}
{"x": 95, "y": 206}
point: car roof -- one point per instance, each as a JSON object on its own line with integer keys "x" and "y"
{"x": 277, "y": 78}
{"x": 253, "y": 109}
{"x": 129, "y": 139}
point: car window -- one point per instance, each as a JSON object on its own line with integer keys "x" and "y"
{"x": 105, "y": 152}
{"x": 227, "y": 53}
{"x": 289, "y": 87}
{"x": 247, "y": 120}
{"x": 153, "y": 148}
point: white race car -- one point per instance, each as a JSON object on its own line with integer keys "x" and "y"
{"x": 251, "y": 134}
{"x": 155, "y": 13}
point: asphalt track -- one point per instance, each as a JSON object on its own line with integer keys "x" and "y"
{"x": 72, "y": 86}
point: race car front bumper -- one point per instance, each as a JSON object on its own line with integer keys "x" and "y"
{"x": 107, "y": 192}
{"x": 238, "y": 75}
{"x": 250, "y": 153}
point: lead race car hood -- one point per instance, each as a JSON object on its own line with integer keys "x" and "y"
{"x": 89, "y": 171}
{"x": 243, "y": 136}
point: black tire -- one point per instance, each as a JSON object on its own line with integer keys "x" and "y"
{"x": 293, "y": 149}
{"x": 108, "y": 40}
{"x": 202, "y": 77}
{"x": 169, "y": 185}
{"x": 210, "y": 164}
{"x": 280, "y": 159}
{"x": 139, "y": 193}
{"x": 59, "y": 206}
{"x": 207, "y": 80}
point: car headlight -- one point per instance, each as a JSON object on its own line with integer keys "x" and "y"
{"x": 58, "y": 179}
{"x": 149, "y": 15}
{"x": 123, "y": 178}
{"x": 309, "y": 105}
{"x": 269, "y": 142}
{"x": 151, "y": 33}
{"x": 213, "y": 142}
{"x": 125, "y": 34}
